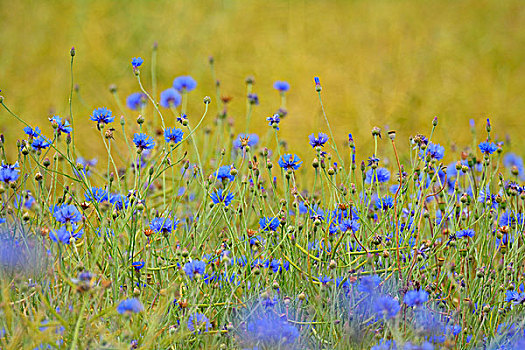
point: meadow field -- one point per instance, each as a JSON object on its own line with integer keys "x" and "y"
{"x": 262, "y": 175}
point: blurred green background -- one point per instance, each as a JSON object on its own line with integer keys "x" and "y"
{"x": 395, "y": 63}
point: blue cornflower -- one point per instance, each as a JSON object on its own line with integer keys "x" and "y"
{"x": 271, "y": 331}
{"x": 98, "y": 195}
{"x": 386, "y": 307}
{"x": 465, "y": 233}
{"x": 119, "y": 201}
{"x": 9, "y": 172}
{"x": 136, "y": 100}
{"x": 163, "y": 225}
{"x": 184, "y": 83}
{"x": 349, "y": 224}
{"x": 170, "y": 98}
{"x": 274, "y": 121}
{"x": 244, "y": 140}
{"x": 268, "y": 224}
{"x": 221, "y": 196}
{"x": 62, "y": 125}
{"x": 33, "y": 133}
{"x": 132, "y": 305}
{"x": 86, "y": 164}
{"x": 137, "y": 62}
{"x": 368, "y": 284}
{"x": 173, "y": 135}
{"x": 320, "y": 140}
{"x": 224, "y": 172}
{"x": 182, "y": 118}
{"x": 25, "y": 199}
{"x": 488, "y": 147}
{"x": 40, "y": 143}
{"x": 143, "y": 141}
{"x": 198, "y": 322}
{"x": 281, "y": 86}
{"x": 416, "y": 297}
{"x": 66, "y": 213}
{"x": 63, "y": 235}
{"x": 253, "y": 99}
{"x": 435, "y": 151}
{"x": 290, "y": 161}
{"x": 194, "y": 267}
{"x": 137, "y": 265}
{"x": 102, "y": 115}
{"x": 385, "y": 202}
{"x": 379, "y": 174}
{"x": 317, "y": 81}
{"x": 511, "y": 160}
{"x": 373, "y": 160}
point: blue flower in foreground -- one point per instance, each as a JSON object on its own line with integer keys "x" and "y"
{"x": 194, "y": 267}
{"x": 170, "y": 98}
{"x": 434, "y": 150}
{"x": 465, "y": 233}
{"x": 368, "y": 284}
{"x": 173, "y": 135}
{"x": 132, "y": 305}
{"x": 290, "y": 161}
{"x": 274, "y": 121}
{"x": 96, "y": 194}
{"x": 488, "y": 147}
{"x": 143, "y": 141}
{"x": 33, "y": 133}
{"x": 281, "y": 86}
{"x": 269, "y": 330}
{"x": 379, "y": 174}
{"x": 184, "y": 83}
{"x": 349, "y": 225}
{"x": 268, "y": 224}
{"x": 320, "y": 140}
{"x": 224, "y": 172}
{"x": 386, "y": 307}
{"x": 63, "y": 235}
{"x": 416, "y": 298}
{"x": 136, "y": 100}
{"x": 66, "y": 213}
{"x": 163, "y": 225}
{"x": 137, "y": 62}
{"x": 62, "y": 125}
{"x": 385, "y": 203}
{"x": 138, "y": 265}
{"x": 102, "y": 116}
{"x": 8, "y": 172}
{"x": 40, "y": 143}
{"x": 198, "y": 322}
{"x": 119, "y": 201}
{"x": 221, "y": 196}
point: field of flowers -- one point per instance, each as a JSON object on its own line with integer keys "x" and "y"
{"x": 190, "y": 232}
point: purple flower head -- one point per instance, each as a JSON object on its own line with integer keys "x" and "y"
{"x": 143, "y": 141}
{"x": 465, "y": 233}
{"x": 224, "y": 172}
{"x": 220, "y": 196}
{"x": 349, "y": 225}
{"x": 281, "y": 86}
{"x": 385, "y": 203}
{"x": 170, "y": 98}
{"x": 163, "y": 225}
{"x": 136, "y": 62}
{"x": 102, "y": 115}
{"x": 132, "y": 305}
{"x": 184, "y": 83}
{"x": 173, "y": 135}
{"x": 434, "y": 150}
{"x": 136, "y": 100}
{"x": 290, "y": 161}
{"x": 320, "y": 140}
{"x": 40, "y": 143}
{"x": 98, "y": 195}
{"x": 63, "y": 235}
{"x": 194, "y": 267}
{"x": 33, "y": 133}
{"x": 253, "y": 99}
{"x": 63, "y": 126}
{"x": 119, "y": 201}
{"x": 269, "y": 224}
{"x": 488, "y": 147}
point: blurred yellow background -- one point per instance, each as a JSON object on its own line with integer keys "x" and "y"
{"x": 395, "y": 63}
